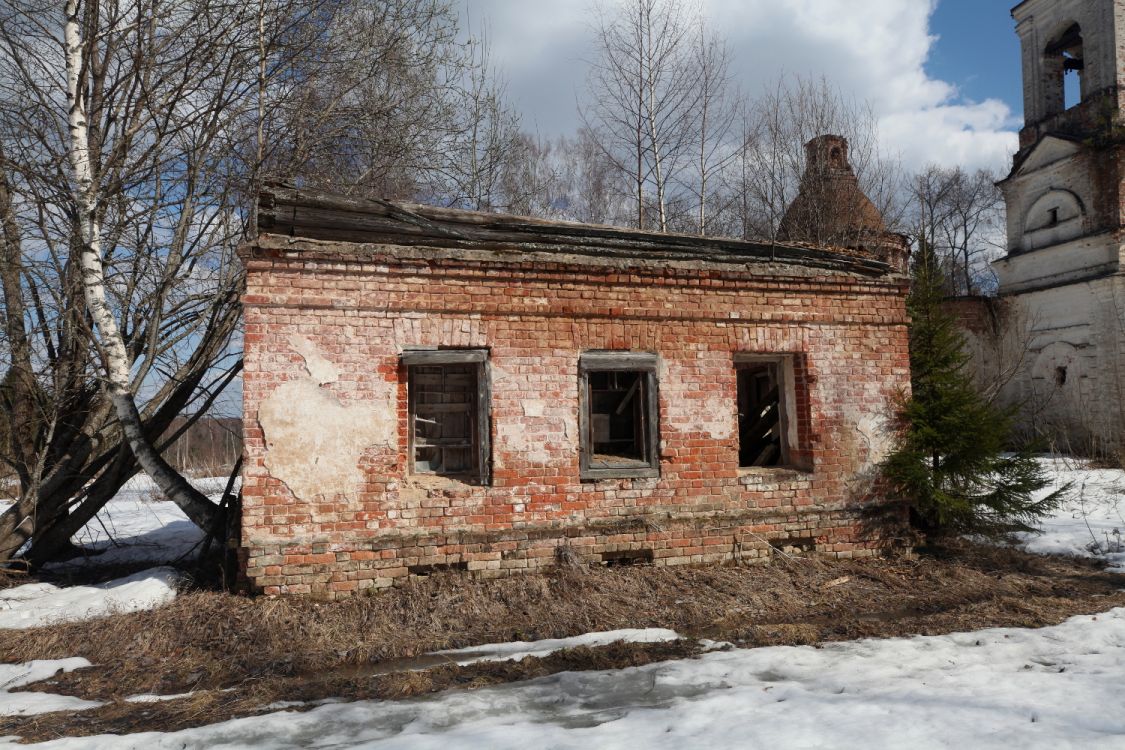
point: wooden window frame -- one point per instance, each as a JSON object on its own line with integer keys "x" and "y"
{"x": 619, "y": 361}
{"x": 482, "y": 405}
{"x": 787, "y": 404}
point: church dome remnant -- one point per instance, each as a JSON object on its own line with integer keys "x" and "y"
{"x": 832, "y": 209}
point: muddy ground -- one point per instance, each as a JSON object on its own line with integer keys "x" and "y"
{"x": 237, "y": 655}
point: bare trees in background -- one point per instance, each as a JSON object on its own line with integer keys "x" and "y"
{"x": 484, "y": 141}
{"x": 771, "y": 163}
{"x": 360, "y": 98}
{"x": 716, "y": 114}
{"x": 662, "y": 105}
{"x": 960, "y": 215}
{"x": 569, "y": 178}
{"x": 391, "y": 98}
{"x": 644, "y": 97}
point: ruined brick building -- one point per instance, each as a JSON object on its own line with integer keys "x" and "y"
{"x": 436, "y": 389}
{"x": 1055, "y": 345}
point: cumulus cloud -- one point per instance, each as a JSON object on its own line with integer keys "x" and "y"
{"x": 873, "y": 50}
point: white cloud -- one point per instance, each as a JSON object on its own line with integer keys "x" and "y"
{"x": 874, "y": 50}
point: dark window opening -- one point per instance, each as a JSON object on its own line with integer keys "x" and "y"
{"x": 1053, "y": 217}
{"x": 1060, "y": 376}
{"x": 448, "y": 414}
{"x": 618, "y": 412}
{"x": 1072, "y": 80}
{"x": 1064, "y": 68}
{"x": 762, "y": 438}
{"x": 617, "y": 419}
{"x": 428, "y": 570}
{"x": 627, "y": 558}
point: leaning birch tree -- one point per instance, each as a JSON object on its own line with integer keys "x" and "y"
{"x": 110, "y": 344}
{"x": 124, "y": 171}
{"x": 132, "y": 136}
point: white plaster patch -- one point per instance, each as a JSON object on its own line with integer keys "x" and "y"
{"x": 314, "y": 440}
{"x": 876, "y": 435}
{"x": 317, "y": 365}
{"x": 533, "y": 408}
{"x": 513, "y": 439}
{"x": 711, "y": 413}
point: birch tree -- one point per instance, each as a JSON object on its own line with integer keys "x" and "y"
{"x": 124, "y": 169}
{"x": 80, "y": 60}
{"x": 643, "y": 96}
{"x": 716, "y": 110}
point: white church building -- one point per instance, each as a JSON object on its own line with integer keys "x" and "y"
{"x": 1054, "y": 342}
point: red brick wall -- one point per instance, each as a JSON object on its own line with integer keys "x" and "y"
{"x": 536, "y": 319}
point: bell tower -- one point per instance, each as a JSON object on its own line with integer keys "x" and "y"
{"x": 1062, "y": 281}
{"x": 1073, "y": 66}
{"x": 1066, "y": 179}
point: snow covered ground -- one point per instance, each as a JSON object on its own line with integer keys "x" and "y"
{"x": 1091, "y": 522}
{"x": 1058, "y": 687}
{"x": 37, "y": 604}
{"x": 138, "y": 525}
{"x": 1055, "y": 688}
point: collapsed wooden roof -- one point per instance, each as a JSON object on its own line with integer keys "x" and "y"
{"x": 305, "y": 214}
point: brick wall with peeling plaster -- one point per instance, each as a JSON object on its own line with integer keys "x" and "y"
{"x": 324, "y": 338}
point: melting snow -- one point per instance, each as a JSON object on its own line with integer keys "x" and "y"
{"x": 14, "y": 676}
{"x": 37, "y": 604}
{"x": 517, "y": 650}
{"x": 1091, "y": 522}
{"x": 1000, "y": 688}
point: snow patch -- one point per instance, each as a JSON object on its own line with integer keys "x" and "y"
{"x": 1091, "y": 522}
{"x": 517, "y": 650}
{"x": 1000, "y": 688}
{"x": 13, "y": 676}
{"x": 149, "y": 698}
{"x": 37, "y": 604}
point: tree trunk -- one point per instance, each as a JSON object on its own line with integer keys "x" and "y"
{"x": 194, "y": 504}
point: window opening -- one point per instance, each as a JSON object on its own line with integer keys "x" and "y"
{"x": 1064, "y": 68}
{"x": 617, "y": 419}
{"x": 761, "y": 415}
{"x": 448, "y": 413}
{"x": 1060, "y": 376}
{"x": 619, "y": 413}
{"x": 1053, "y": 217}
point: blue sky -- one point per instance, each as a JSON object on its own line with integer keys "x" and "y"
{"x": 977, "y": 50}
{"x": 943, "y": 78}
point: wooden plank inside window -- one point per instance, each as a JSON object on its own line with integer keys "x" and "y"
{"x": 618, "y": 415}
{"x": 762, "y": 439}
{"x": 444, "y": 425}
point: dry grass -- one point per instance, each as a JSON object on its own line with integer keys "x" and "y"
{"x": 263, "y": 650}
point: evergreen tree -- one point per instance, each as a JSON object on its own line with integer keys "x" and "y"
{"x": 950, "y": 465}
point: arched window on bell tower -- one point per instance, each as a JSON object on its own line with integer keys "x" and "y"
{"x": 1064, "y": 66}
